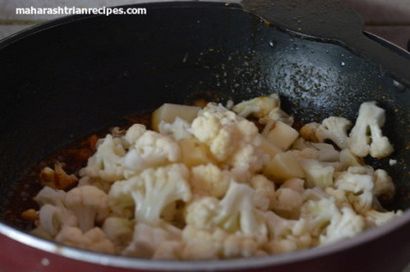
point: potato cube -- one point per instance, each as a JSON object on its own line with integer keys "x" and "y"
{"x": 168, "y": 112}
{"x": 194, "y": 152}
{"x": 284, "y": 166}
{"x": 282, "y": 135}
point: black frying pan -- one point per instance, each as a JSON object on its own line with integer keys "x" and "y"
{"x": 68, "y": 78}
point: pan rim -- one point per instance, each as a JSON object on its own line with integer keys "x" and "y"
{"x": 215, "y": 265}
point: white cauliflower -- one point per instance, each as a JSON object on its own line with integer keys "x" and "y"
{"x": 147, "y": 239}
{"x": 222, "y": 130}
{"x": 200, "y": 213}
{"x": 94, "y": 239}
{"x": 151, "y": 149}
{"x": 259, "y": 107}
{"x": 344, "y": 224}
{"x": 289, "y": 198}
{"x": 168, "y": 250}
{"x": 89, "y": 204}
{"x": 286, "y": 235}
{"x": 209, "y": 180}
{"x": 231, "y": 139}
{"x": 359, "y": 186}
{"x": 96, "y": 182}
{"x": 150, "y": 192}
{"x": 52, "y": 219}
{"x": 107, "y": 162}
{"x": 371, "y": 118}
{"x": 264, "y": 192}
{"x": 334, "y": 129}
{"x": 247, "y": 161}
{"x": 200, "y": 188}
{"x": 235, "y": 212}
{"x": 178, "y": 130}
{"x": 119, "y": 230}
{"x": 377, "y": 218}
{"x": 280, "y": 227}
{"x": 133, "y": 133}
{"x": 308, "y": 132}
{"x": 202, "y": 244}
{"x": 51, "y": 196}
{"x": 383, "y": 184}
{"x": 318, "y": 214}
{"x": 266, "y": 109}
{"x": 206, "y": 245}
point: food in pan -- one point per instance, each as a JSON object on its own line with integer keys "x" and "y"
{"x": 221, "y": 182}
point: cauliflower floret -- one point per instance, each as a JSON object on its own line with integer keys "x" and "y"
{"x": 200, "y": 213}
{"x": 201, "y": 244}
{"x": 372, "y": 118}
{"x": 359, "y": 186}
{"x": 178, "y": 130}
{"x": 94, "y": 239}
{"x": 133, "y": 133}
{"x": 237, "y": 245}
{"x": 308, "y": 132}
{"x": 318, "y": 214}
{"x": 376, "y": 218}
{"x": 259, "y": 107}
{"x": 147, "y": 239}
{"x": 232, "y": 139}
{"x": 206, "y": 245}
{"x": 264, "y": 192}
{"x": 107, "y": 162}
{"x": 53, "y": 218}
{"x": 280, "y": 227}
{"x": 334, "y": 129}
{"x": 95, "y": 182}
{"x": 343, "y": 225}
{"x": 168, "y": 250}
{"x": 246, "y": 161}
{"x": 286, "y": 235}
{"x": 50, "y": 196}
{"x": 288, "y": 202}
{"x": 223, "y": 130}
{"x": 236, "y": 211}
{"x": 209, "y": 180}
{"x": 89, "y": 204}
{"x": 150, "y": 192}
{"x": 266, "y": 108}
{"x": 383, "y": 184}
{"x": 119, "y": 230}
{"x": 150, "y": 150}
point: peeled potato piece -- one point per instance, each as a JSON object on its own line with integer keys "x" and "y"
{"x": 284, "y": 166}
{"x": 168, "y": 112}
{"x": 282, "y": 135}
{"x": 194, "y": 152}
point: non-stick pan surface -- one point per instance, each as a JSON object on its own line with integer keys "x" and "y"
{"x": 71, "y": 77}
